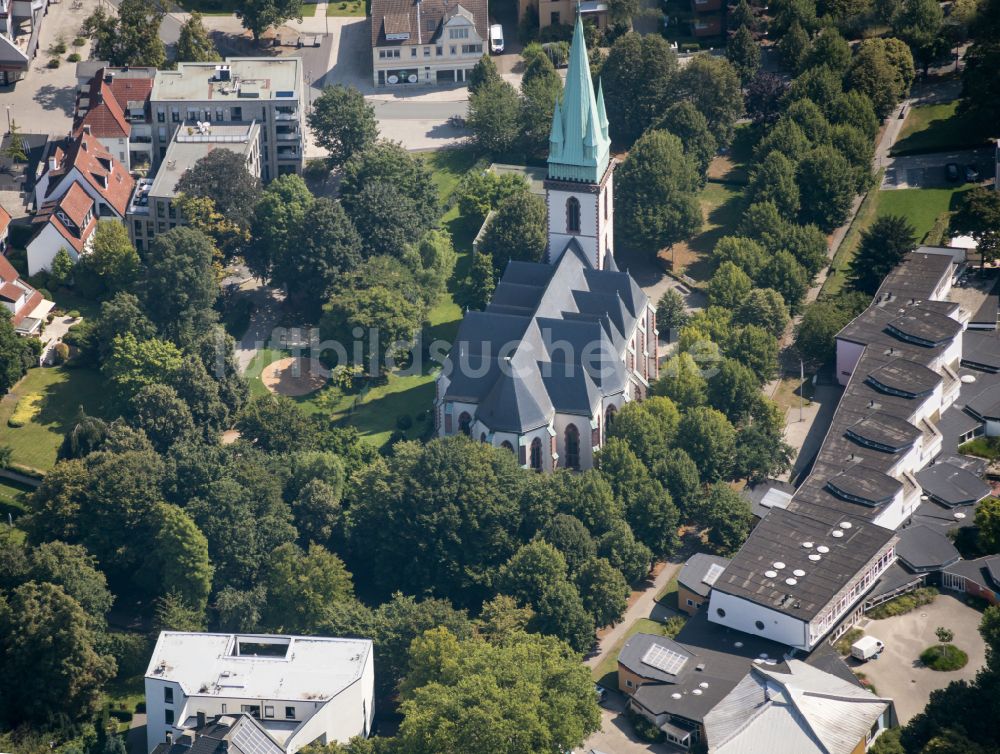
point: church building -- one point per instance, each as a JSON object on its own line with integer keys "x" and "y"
{"x": 566, "y": 342}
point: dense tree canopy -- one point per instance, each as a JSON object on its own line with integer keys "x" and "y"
{"x": 129, "y": 38}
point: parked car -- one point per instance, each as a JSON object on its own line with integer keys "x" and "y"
{"x": 496, "y": 38}
{"x": 602, "y": 693}
{"x": 951, "y": 171}
{"x": 971, "y": 174}
{"x": 867, "y": 648}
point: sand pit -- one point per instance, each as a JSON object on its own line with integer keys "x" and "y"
{"x": 291, "y": 377}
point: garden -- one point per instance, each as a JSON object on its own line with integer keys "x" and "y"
{"x": 935, "y": 128}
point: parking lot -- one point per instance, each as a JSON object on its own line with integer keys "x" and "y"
{"x": 898, "y": 673}
{"x": 928, "y": 170}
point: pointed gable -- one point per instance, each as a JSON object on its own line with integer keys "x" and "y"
{"x": 579, "y": 145}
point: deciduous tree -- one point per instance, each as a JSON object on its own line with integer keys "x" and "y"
{"x": 657, "y": 205}
{"x": 260, "y": 15}
{"x": 493, "y": 118}
{"x": 713, "y": 85}
{"x": 130, "y": 38}
{"x": 222, "y": 176}
{"x": 194, "y": 44}
{"x": 342, "y": 122}
{"x": 517, "y": 232}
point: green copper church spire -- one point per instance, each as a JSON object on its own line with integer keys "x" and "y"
{"x": 579, "y": 147}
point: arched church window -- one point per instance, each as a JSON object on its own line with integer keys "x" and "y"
{"x": 507, "y": 446}
{"x": 536, "y": 454}
{"x": 572, "y": 447}
{"x": 609, "y": 417}
{"x": 465, "y": 423}
{"x": 572, "y": 215}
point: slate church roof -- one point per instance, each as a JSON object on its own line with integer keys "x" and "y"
{"x": 551, "y": 341}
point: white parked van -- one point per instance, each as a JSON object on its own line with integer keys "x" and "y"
{"x": 496, "y": 38}
{"x": 866, "y": 648}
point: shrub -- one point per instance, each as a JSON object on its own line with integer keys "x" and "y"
{"x": 673, "y": 626}
{"x": 904, "y": 603}
{"x": 58, "y": 47}
{"x": 843, "y": 644}
{"x": 60, "y": 354}
{"x": 646, "y": 730}
{"x": 944, "y": 634}
{"x": 79, "y": 42}
{"x": 73, "y": 57}
{"x": 984, "y": 447}
{"x": 944, "y": 657}
{"x": 53, "y": 63}
{"x": 404, "y": 421}
{"x": 316, "y": 169}
{"x": 122, "y": 715}
{"x": 27, "y": 409}
{"x": 74, "y": 313}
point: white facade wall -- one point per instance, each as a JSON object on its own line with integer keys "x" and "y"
{"x": 848, "y": 354}
{"x": 452, "y": 58}
{"x": 596, "y": 234}
{"x": 348, "y": 714}
{"x": 118, "y": 148}
{"x": 42, "y": 249}
{"x": 743, "y": 615}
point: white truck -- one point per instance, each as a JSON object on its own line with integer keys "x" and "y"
{"x": 867, "y": 648}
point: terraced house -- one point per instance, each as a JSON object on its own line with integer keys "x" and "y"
{"x": 566, "y": 342}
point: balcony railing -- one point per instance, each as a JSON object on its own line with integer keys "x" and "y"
{"x": 279, "y": 115}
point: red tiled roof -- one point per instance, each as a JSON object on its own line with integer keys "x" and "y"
{"x": 4, "y": 219}
{"x": 104, "y": 114}
{"x": 12, "y": 292}
{"x": 127, "y": 90}
{"x": 85, "y": 152}
{"x": 75, "y": 204}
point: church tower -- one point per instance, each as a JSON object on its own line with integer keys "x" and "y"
{"x": 579, "y": 188}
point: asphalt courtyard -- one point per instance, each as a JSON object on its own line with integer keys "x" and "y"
{"x": 898, "y": 673}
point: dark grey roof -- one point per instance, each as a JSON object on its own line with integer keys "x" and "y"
{"x": 860, "y": 484}
{"x": 921, "y": 548}
{"x": 894, "y": 577}
{"x": 983, "y": 571}
{"x": 952, "y": 485}
{"x": 636, "y": 648}
{"x": 930, "y": 513}
{"x": 551, "y": 340}
{"x": 780, "y": 537}
{"x": 697, "y": 567}
{"x": 720, "y": 658}
{"x": 986, "y": 405}
{"x": 917, "y": 277}
{"x": 924, "y": 327}
{"x": 987, "y": 312}
{"x": 981, "y": 350}
{"x": 904, "y": 376}
{"x": 770, "y": 493}
{"x": 883, "y": 430}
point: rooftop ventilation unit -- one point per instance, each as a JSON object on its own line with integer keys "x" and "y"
{"x": 222, "y": 73}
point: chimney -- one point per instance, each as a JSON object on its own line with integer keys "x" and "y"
{"x": 53, "y": 164}
{"x": 109, "y": 76}
{"x": 170, "y": 738}
{"x": 86, "y": 128}
{"x": 201, "y": 719}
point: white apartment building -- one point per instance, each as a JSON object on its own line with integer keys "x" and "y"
{"x": 266, "y": 91}
{"x": 301, "y": 689}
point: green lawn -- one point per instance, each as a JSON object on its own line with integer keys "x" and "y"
{"x": 375, "y": 409}
{"x": 721, "y": 206}
{"x": 353, "y": 8}
{"x": 63, "y": 392}
{"x": 606, "y": 673}
{"x": 12, "y": 498}
{"x": 924, "y": 208}
{"x": 935, "y": 128}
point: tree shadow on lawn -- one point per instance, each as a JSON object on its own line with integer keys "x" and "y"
{"x": 63, "y": 399}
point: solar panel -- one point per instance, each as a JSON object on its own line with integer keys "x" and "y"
{"x": 664, "y": 659}
{"x": 250, "y": 739}
{"x": 714, "y": 571}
